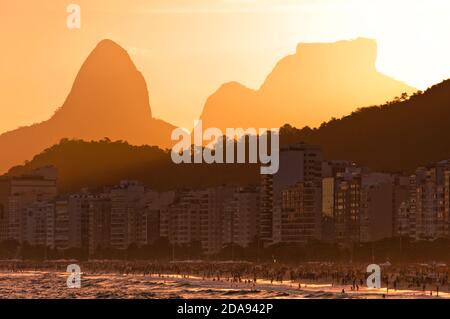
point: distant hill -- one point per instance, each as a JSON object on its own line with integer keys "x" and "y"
{"x": 95, "y": 164}
{"x": 109, "y": 98}
{"x": 318, "y": 82}
{"x": 400, "y": 135}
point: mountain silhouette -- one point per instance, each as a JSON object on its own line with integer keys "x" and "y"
{"x": 109, "y": 98}
{"x": 95, "y": 164}
{"x": 318, "y": 82}
{"x": 399, "y": 135}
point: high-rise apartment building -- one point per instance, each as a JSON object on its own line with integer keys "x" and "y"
{"x": 299, "y": 163}
{"x": 128, "y": 215}
{"x": 240, "y": 217}
{"x": 16, "y": 193}
{"x": 425, "y": 215}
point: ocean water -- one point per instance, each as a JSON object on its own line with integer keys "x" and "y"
{"x": 40, "y": 284}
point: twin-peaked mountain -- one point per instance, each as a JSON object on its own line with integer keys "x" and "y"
{"x": 318, "y": 82}
{"x": 109, "y": 98}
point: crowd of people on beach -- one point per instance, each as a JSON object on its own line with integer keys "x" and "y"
{"x": 431, "y": 278}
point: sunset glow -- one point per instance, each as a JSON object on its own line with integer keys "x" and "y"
{"x": 211, "y": 157}
{"x": 187, "y": 49}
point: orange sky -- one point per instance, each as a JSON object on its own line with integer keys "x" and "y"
{"x": 187, "y": 48}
